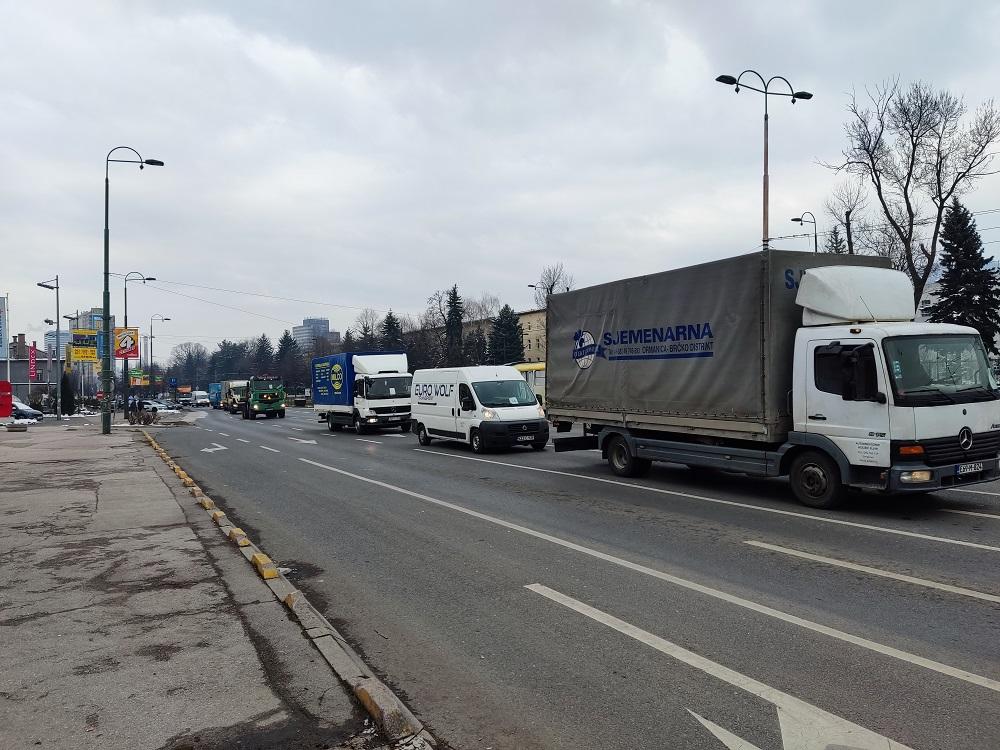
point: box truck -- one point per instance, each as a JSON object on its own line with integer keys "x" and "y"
{"x": 233, "y": 395}
{"x": 366, "y": 390}
{"x": 774, "y": 364}
{"x": 215, "y": 395}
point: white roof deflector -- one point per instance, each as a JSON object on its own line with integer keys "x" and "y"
{"x": 854, "y": 294}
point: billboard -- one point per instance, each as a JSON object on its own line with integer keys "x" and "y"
{"x": 84, "y": 345}
{"x": 32, "y": 363}
{"x": 4, "y": 335}
{"x": 126, "y": 343}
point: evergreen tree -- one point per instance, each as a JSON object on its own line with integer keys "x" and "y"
{"x": 835, "y": 242}
{"x": 263, "y": 355}
{"x": 969, "y": 291}
{"x": 454, "y": 356}
{"x": 289, "y": 360}
{"x": 67, "y": 394}
{"x": 476, "y": 348}
{"x": 506, "y": 338}
{"x": 390, "y": 334}
{"x": 348, "y": 343}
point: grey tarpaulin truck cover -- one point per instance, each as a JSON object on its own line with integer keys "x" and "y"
{"x": 705, "y": 349}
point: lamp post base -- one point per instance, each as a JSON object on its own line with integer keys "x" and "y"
{"x": 105, "y": 421}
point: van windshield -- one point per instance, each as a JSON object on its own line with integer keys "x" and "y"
{"x": 937, "y": 369}
{"x": 504, "y": 393}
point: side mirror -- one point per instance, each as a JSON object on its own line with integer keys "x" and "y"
{"x": 468, "y": 404}
{"x": 538, "y": 399}
{"x": 880, "y": 398}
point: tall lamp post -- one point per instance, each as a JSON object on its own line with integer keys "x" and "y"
{"x": 155, "y": 317}
{"x": 803, "y": 220}
{"x": 795, "y": 95}
{"x": 106, "y": 354}
{"x": 54, "y": 284}
{"x": 126, "y": 381}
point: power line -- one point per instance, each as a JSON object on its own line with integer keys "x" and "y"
{"x": 219, "y": 304}
{"x": 266, "y": 296}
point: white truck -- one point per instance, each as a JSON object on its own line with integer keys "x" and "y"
{"x": 366, "y": 390}
{"x": 774, "y": 364}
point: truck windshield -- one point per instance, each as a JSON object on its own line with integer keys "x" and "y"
{"x": 939, "y": 369}
{"x": 266, "y": 385}
{"x": 392, "y": 386}
{"x": 504, "y": 393}
{"x": 239, "y": 390}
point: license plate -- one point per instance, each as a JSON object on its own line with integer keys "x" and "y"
{"x": 525, "y": 438}
{"x": 395, "y": 419}
{"x": 969, "y": 468}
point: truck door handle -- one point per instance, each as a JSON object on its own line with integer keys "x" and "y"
{"x": 817, "y": 417}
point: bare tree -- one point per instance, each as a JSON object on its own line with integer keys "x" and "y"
{"x": 846, "y": 207}
{"x": 484, "y": 308}
{"x": 554, "y": 279}
{"x": 366, "y": 327}
{"x": 911, "y": 143}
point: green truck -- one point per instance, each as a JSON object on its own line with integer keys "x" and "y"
{"x": 265, "y": 394}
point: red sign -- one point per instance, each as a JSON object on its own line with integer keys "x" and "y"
{"x": 6, "y": 399}
{"x": 32, "y": 362}
{"x": 100, "y": 395}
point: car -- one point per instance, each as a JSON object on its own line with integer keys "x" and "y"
{"x": 23, "y": 411}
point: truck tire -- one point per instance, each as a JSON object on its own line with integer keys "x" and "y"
{"x": 816, "y": 480}
{"x": 281, "y": 414}
{"x": 476, "y": 441}
{"x": 333, "y": 426}
{"x": 622, "y": 462}
{"x": 359, "y": 428}
{"x": 422, "y": 437}
{"x": 243, "y": 414}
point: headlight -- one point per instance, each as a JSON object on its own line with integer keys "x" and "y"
{"x": 541, "y": 412}
{"x": 256, "y": 406}
{"x": 913, "y": 477}
{"x": 373, "y": 419}
{"x": 489, "y": 415}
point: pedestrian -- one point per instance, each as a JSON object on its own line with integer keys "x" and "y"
{"x": 131, "y": 406}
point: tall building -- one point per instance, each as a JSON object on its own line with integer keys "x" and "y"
{"x": 65, "y": 337}
{"x": 311, "y": 329}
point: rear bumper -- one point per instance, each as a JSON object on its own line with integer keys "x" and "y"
{"x": 942, "y": 477}
{"x": 501, "y": 434}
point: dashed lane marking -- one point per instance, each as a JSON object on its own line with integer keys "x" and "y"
{"x": 273, "y": 450}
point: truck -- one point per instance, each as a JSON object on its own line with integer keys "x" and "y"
{"x": 265, "y": 395}
{"x": 772, "y": 364}
{"x": 215, "y": 395}
{"x": 366, "y": 390}
{"x": 233, "y": 393}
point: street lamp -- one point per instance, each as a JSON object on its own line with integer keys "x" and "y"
{"x": 803, "y": 220}
{"x": 155, "y": 317}
{"x": 795, "y": 95}
{"x": 126, "y": 381}
{"x": 54, "y": 284}
{"x": 106, "y": 358}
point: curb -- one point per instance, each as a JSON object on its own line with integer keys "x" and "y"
{"x": 390, "y": 714}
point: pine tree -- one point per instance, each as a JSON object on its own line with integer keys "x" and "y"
{"x": 263, "y": 355}
{"x": 969, "y": 291}
{"x": 390, "y": 334}
{"x": 476, "y": 347}
{"x": 454, "y": 355}
{"x": 348, "y": 343}
{"x": 506, "y": 338}
{"x": 835, "y": 243}
{"x": 289, "y": 360}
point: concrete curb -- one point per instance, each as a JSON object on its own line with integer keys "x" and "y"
{"x": 394, "y": 719}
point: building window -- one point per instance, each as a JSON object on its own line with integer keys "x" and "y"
{"x": 529, "y": 344}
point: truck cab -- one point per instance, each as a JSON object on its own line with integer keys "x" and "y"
{"x": 265, "y": 394}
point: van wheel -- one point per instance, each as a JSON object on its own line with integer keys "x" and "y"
{"x": 816, "y": 480}
{"x": 404, "y": 428}
{"x": 622, "y": 462}
{"x": 476, "y": 441}
{"x": 539, "y": 446}
{"x": 422, "y": 437}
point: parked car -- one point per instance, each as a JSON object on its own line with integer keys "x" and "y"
{"x": 23, "y": 411}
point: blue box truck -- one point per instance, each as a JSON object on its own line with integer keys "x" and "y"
{"x": 366, "y": 390}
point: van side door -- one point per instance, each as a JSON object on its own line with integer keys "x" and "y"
{"x": 467, "y": 411}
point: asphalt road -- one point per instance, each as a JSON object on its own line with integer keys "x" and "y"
{"x": 533, "y": 600}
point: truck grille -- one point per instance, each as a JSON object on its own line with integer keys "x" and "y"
{"x": 391, "y": 409}
{"x": 947, "y": 450}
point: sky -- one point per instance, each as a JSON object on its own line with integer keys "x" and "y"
{"x": 364, "y": 154}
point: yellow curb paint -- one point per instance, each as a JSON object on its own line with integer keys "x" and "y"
{"x": 196, "y": 491}
{"x": 187, "y": 482}
{"x": 265, "y": 567}
{"x": 239, "y": 536}
{"x": 207, "y": 503}
{"x": 218, "y": 516}
{"x": 291, "y": 598}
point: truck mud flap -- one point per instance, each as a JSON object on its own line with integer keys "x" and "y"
{"x": 584, "y": 443}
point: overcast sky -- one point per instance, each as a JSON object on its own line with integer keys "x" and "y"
{"x": 368, "y": 153}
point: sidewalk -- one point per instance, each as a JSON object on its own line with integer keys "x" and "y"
{"x": 125, "y": 623}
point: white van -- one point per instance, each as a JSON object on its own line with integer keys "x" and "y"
{"x": 200, "y": 398}
{"x": 486, "y": 406}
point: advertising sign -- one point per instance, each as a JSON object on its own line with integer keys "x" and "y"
{"x": 126, "y": 343}
{"x": 4, "y": 335}
{"x": 84, "y": 345}
{"x": 183, "y": 389}
{"x": 6, "y": 399}
{"x": 32, "y": 363}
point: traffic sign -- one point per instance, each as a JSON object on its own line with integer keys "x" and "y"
{"x": 100, "y": 395}
{"x": 172, "y": 382}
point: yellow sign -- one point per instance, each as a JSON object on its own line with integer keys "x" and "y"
{"x": 126, "y": 343}
{"x": 85, "y": 354}
{"x": 337, "y": 378}
{"x": 85, "y": 344}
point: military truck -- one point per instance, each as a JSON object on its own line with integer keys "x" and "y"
{"x": 265, "y": 394}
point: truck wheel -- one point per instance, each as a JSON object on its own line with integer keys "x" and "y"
{"x": 359, "y": 428}
{"x": 422, "y": 437}
{"x": 622, "y": 462}
{"x": 331, "y": 425}
{"x": 243, "y": 414}
{"x": 281, "y": 414}
{"x": 816, "y": 480}
{"x": 476, "y": 441}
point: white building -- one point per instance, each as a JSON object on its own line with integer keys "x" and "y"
{"x": 65, "y": 337}
{"x": 311, "y": 329}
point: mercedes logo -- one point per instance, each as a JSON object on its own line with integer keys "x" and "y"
{"x": 965, "y": 438}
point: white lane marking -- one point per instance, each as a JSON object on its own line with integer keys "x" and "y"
{"x": 970, "y": 513}
{"x": 207, "y": 430}
{"x": 803, "y": 725}
{"x": 273, "y": 450}
{"x": 397, "y": 436}
{"x": 223, "y": 434}
{"x": 216, "y": 448}
{"x": 197, "y": 427}
{"x": 974, "y": 492}
{"x": 368, "y": 441}
{"x": 296, "y": 428}
{"x": 877, "y": 572}
{"x": 330, "y": 434}
{"x": 732, "y": 503}
{"x": 242, "y": 440}
{"x": 816, "y": 627}
{"x": 300, "y": 440}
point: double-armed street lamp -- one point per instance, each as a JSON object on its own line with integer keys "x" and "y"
{"x": 54, "y": 284}
{"x": 155, "y": 317}
{"x": 737, "y": 81}
{"x": 106, "y": 354}
{"x": 803, "y": 221}
{"x": 126, "y": 380}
